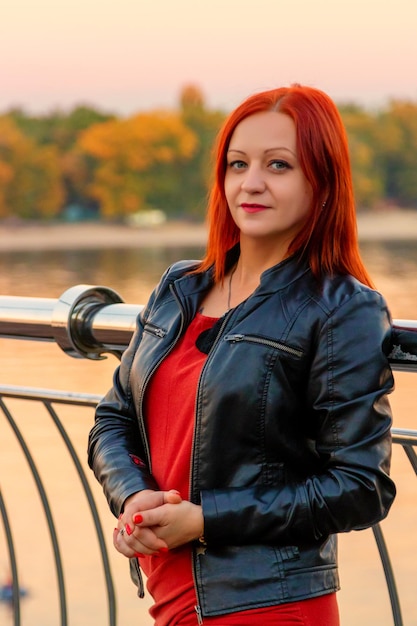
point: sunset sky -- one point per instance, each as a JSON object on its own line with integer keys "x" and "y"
{"x": 129, "y": 55}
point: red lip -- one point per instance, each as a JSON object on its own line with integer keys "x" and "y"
{"x": 253, "y": 208}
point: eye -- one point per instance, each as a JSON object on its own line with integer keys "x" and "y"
{"x": 278, "y": 164}
{"x": 237, "y": 165}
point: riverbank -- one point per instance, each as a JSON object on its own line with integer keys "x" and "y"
{"x": 93, "y": 235}
{"x": 396, "y": 225}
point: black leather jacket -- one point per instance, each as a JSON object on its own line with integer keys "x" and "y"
{"x": 292, "y": 429}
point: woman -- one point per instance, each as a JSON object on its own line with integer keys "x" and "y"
{"x": 249, "y": 423}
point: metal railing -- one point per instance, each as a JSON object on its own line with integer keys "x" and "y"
{"x": 49, "y": 399}
{"x": 88, "y": 322}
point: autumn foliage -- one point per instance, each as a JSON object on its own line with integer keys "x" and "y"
{"x": 124, "y": 152}
{"x": 88, "y": 164}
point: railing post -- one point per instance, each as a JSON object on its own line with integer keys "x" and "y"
{"x": 86, "y": 321}
{"x": 73, "y": 319}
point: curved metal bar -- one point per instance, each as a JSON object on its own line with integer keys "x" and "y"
{"x": 412, "y": 456}
{"x": 46, "y": 508}
{"x": 404, "y": 436}
{"x": 408, "y": 440}
{"x": 111, "y": 596}
{"x": 389, "y": 575}
{"x": 13, "y": 562}
{"x": 89, "y": 321}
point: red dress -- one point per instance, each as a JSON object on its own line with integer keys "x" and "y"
{"x": 169, "y": 414}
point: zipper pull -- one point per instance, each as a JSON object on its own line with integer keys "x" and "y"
{"x": 199, "y": 615}
{"x": 234, "y": 338}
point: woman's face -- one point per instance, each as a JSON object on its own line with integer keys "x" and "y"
{"x": 268, "y": 195}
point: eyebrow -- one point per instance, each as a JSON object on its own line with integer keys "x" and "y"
{"x": 266, "y": 151}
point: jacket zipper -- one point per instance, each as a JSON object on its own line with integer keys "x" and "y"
{"x": 159, "y": 333}
{"x": 266, "y": 342}
{"x": 216, "y": 341}
{"x": 154, "y": 330}
{"x": 197, "y": 608}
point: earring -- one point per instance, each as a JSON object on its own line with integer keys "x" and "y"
{"x": 323, "y": 205}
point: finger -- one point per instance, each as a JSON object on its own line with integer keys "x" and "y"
{"x": 118, "y": 542}
{"x": 144, "y": 540}
{"x": 153, "y": 517}
{"x": 172, "y": 497}
{"x": 130, "y": 545}
{"x": 146, "y": 499}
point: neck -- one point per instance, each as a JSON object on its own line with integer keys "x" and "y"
{"x": 256, "y": 257}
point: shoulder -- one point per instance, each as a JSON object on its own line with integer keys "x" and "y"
{"x": 340, "y": 291}
{"x": 180, "y": 268}
{"x": 177, "y": 273}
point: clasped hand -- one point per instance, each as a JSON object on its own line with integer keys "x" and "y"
{"x": 156, "y": 521}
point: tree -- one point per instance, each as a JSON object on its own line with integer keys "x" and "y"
{"x": 30, "y": 178}
{"x": 128, "y": 153}
{"x": 397, "y": 152}
{"x": 193, "y": 176}
{"x": 367, "y": 179}
{"x": 61, "y": 130}
{"x": 58, "y": 128}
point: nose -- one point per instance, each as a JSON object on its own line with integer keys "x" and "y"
{"x": 253, "y": 180}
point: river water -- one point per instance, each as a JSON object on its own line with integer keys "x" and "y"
{"x": 133, "y": 273}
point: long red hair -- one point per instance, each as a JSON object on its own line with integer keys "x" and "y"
{"x": 329, "y": 237}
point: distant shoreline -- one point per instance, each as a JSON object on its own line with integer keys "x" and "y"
{"x": 395, "y": 225}
{"x": 94, "y": 235}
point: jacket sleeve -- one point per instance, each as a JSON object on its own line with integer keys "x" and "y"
{"x": 347, "y": 392}
{"x": 115, "y": 450}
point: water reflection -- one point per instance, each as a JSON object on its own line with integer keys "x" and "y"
{"x": 49, "y": 273}
{"x": 133, "y": 272}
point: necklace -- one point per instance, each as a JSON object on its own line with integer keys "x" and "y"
{"x": 229, "y": 295}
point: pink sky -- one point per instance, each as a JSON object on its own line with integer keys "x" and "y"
{"x": 129, "y": 55}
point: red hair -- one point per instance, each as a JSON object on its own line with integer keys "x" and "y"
{"x": 329, "y": 236}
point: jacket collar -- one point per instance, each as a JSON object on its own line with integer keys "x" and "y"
{"x": 272, "y": 280}
{"x": 283, "y": 274}
{"x": 278, "y": 276}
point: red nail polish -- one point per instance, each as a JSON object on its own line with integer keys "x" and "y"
{"x": 128, "y": 529}
{"x": 163, "y": 550}
{"x": 137, "y": 518}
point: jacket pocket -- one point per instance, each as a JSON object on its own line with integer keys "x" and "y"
{"x": 265, "y": 341}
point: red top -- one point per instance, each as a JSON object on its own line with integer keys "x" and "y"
{"x": 170, "y": 412}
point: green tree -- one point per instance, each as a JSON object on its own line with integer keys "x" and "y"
{"x": 61, "y": 130}
{"x": 367, "y": 178}
{"x": 193, "y": 176}
{"x": 58, "y": 128}
{"x": 396, "y": 138}
{"x": 30, "y": 180}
